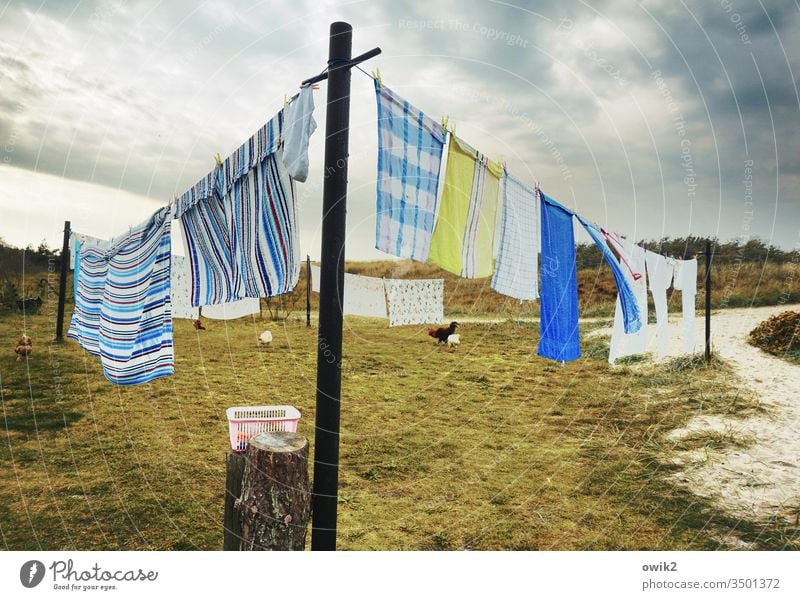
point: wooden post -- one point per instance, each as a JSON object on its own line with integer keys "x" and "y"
{"x": 708, "y": 301}
{"x": 62, "y": 283}
{"x": 232, "y": 537}
{"x": 275, "y": 503}
{"x": 308, "y": 290}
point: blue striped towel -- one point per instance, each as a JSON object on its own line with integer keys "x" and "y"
{"x": 517, "y": 269}
{"x": 240, "y": 224}
{"x": 90, "y": 272}
{"x": 135, "y": 318}
{"x": 122, "y": 310}
{"x": 627, "y": 299}
{"x": 410, "y": 146}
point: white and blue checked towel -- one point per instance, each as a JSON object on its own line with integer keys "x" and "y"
{"x": 517, "y": 268}
{"x": 240, "y": 224}
{"x": 410, "y": 146}
{"x": 122, "y": 311}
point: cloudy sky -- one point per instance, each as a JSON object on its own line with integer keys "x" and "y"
{"x": 652, "y": 118}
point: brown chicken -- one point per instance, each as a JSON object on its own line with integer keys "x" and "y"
{"x": 23, "y": 347}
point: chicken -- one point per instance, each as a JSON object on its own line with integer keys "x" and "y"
{"x": 453, "y": 340}
{"x": 443, "y": 333}
{"x": 198, "y": 324}
{"x": 23, "y": 347}
{"x": 265, "y": 337}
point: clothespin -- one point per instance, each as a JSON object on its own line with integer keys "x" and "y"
{"x": 285, "y": 101}
{"x": 445, "y": 119}
{"x": 376, "y": 75}
{"x": 218, "y": 159}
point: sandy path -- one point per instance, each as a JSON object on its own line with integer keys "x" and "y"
{"x": 761, "y": 480}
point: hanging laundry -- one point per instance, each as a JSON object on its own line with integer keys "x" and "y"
{"x": 363, "y": 296}
{"x": 91, "y": 275}
{"x": 300, "y": 124}
{"x": 232, "y": 310}
{"x": 410, "y": 146}
{"x": 686, "y": 282}
{"x": 558, "y": 322}
{"x": 75, "y": 266}
{"x": 517, "y": 269}
{"x": 415, "y": 301}
{"x": 180, "y": 294}
{"x": 135, "y": 320}
{"x": 77, "y": 239}
{"x": 630, "y": 308}
{"x": 239, "y": 223}
{"x": 463, "y": 239}
{"x": 659, "y": 274}
{"x": 122, "y": 310}
{"x": 623, "y": 344}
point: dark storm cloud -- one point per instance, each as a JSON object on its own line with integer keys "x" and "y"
{"x": 142, "y": 95}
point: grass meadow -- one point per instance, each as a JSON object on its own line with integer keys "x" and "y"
{"x": 484, "y": 447}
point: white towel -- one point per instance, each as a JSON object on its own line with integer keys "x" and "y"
{"x": 686, "y": 282}
{"x": 232, "y": 310}
{"x": 623, "y": 344}
{"x": 297, "y": 130}
{"x": 363, "y": 296}
{"x": 659, "y": 273}
{"x": 181, "y": 290}
{"x": 415, "y": 301}
{"x": 517, "y": 269}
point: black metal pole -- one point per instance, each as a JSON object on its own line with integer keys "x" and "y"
{"x": 708, "y": 300}
{"x": 308, "y": 291}
{"x": 331, "y": 288}
{"x": 62, "y": 284}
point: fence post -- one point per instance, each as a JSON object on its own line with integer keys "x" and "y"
{"x": 308, "y": 290}
{"x": 708, "y": 301}
{"x": 62, "y": 283}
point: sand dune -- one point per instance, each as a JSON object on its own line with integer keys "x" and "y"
{"x": 761, "y": 479}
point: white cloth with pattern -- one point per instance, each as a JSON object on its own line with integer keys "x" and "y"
{"x": 232, "y": 310}
{"x": 415, "y": 301}
{"x": 363, "y": 296}
{"x": 181, "y": 290}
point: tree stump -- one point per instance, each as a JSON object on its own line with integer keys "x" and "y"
{"x": 275, "y": 504}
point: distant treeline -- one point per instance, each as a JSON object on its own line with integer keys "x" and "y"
{"x": 13, "y": 260}
{"x": 723, "y": 253}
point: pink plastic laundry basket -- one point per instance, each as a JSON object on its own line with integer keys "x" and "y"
{"x": 246, "y": 421}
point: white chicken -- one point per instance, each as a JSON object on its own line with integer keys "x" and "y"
{"x": 265, "y": 337}
{"x": 453, "y": 340}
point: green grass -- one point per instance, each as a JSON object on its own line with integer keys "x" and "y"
{"x": 486, "y": 447}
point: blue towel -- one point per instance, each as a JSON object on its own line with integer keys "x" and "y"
{"x": 558, "y": 324}
{"x": 627, "y": 299}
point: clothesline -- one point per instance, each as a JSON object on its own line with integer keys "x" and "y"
{"x": 438, "y": 199}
